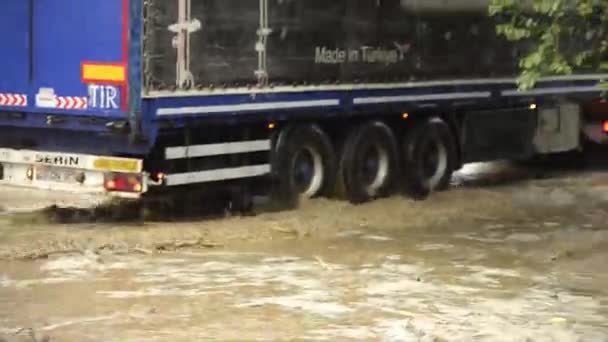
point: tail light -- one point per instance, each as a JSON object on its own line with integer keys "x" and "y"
{"x": 123, "y": 182}
{"x": 605, "y": 127}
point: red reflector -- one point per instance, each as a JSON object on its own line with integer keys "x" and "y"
{"x": 605, "y": 127}
{"x": 123, "y": 182}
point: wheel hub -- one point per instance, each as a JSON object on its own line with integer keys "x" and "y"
{"x": 303, "y": 169}
{"x": 371, "y": 164}
{"x": 434, "y": 161}
{"x": 374, "y": 167}
{"x": 431, "y": 161}
{"x": 307, "y": 171}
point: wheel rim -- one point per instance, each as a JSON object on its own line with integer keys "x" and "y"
{"x": 434, "y": 162}
{"x": 307, "y": 171}
{"x": 374, "y": 168}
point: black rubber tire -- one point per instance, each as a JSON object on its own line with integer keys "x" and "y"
{"x": 373, "y": 134}
{"x": 289, "y": 143}
{"x": 417, "y": 139}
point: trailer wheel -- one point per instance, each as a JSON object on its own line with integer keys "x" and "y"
{"x": 429, "y": 157}
{"x": 369, "y": 162}
{"x": 304, "y": 162}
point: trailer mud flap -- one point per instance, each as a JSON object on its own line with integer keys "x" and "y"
{"x": 499, "y": 134}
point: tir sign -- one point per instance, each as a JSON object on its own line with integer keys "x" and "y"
{"x": 107, "y": 84}
{"x": 103, "y": 97}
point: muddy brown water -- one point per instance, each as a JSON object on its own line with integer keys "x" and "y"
{"x": 523, "y": 262}
{"x": 489, "y": 284}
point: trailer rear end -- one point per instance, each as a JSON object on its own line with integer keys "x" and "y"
{"x": 65, "y": 96}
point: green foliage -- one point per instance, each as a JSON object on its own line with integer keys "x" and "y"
{"x": 559, "y": 37}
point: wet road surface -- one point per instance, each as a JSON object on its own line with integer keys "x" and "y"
{"x": 535, "y": 271}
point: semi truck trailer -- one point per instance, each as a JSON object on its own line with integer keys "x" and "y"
{"x": 367, "y": 98}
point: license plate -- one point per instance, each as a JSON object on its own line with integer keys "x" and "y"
{"x": 56, "y": 175}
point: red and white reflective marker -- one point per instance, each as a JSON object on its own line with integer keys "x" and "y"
{"x": 13, "y": 100}
{"x": 71, "y": 102}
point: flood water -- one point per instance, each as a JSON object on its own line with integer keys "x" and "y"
{"x": 488, "y": 284}
{"x": 541, "y": 275}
